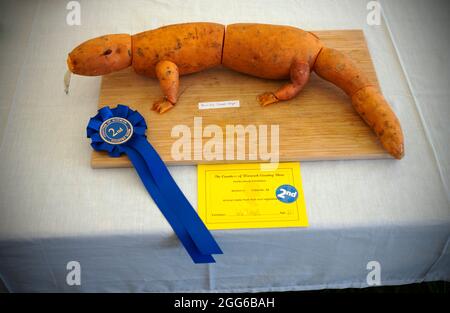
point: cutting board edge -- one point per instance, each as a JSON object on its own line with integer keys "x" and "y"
{"x": 124, "y": 162}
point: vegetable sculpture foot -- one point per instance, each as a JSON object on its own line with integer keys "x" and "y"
{"x": 162, "y": 106}
{"x": 261, "y": 50}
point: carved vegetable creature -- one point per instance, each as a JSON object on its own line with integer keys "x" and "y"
{"x": 261, "y": 50}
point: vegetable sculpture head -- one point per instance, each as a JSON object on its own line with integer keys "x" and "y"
{"x": 101, "y": 55}
{"x": 261, "y": 50}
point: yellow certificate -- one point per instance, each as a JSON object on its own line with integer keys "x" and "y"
{"x": 244, "y": 196}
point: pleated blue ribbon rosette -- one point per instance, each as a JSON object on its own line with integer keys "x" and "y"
{"x": 122, "y": 130}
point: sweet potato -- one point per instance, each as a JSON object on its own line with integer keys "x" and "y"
{"x": 168, "y": 76}
{"x": 367, "y": 100}
{"x": 337, "y": 68}
{"x": 101, "y": 55}
{"x": 193, "y": 47}
{"x": 373, "y": 108}
{"x": 268, "y": 51}
{"x": 299, "y": 74}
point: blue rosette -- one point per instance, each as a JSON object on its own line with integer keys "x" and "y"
{"x": 122, "y": 130}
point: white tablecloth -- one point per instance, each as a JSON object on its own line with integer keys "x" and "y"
{"x": 54, "y": 208}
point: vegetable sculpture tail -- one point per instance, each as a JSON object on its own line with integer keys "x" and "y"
{"x": 367, "y": 100}
{"x": 261, "y": 50}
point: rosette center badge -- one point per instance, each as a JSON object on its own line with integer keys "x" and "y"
{"x": 116, "y": 130}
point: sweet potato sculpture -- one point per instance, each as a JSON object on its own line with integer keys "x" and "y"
{"x": 261, "y": 50}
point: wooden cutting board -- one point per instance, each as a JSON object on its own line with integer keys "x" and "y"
{"x": 318, "y": 124}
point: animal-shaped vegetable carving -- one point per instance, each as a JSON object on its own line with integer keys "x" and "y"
{"x": 266, "y": 51}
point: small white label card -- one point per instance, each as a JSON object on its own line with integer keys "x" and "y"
{"x": 219, "y": 104}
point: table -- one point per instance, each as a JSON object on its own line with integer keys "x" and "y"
{"x": 54, "y": 208}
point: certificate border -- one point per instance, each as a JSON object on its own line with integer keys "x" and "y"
{"x": 237, "y": 222}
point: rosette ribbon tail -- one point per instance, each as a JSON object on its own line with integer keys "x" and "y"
{"x": 122, "y": 130}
